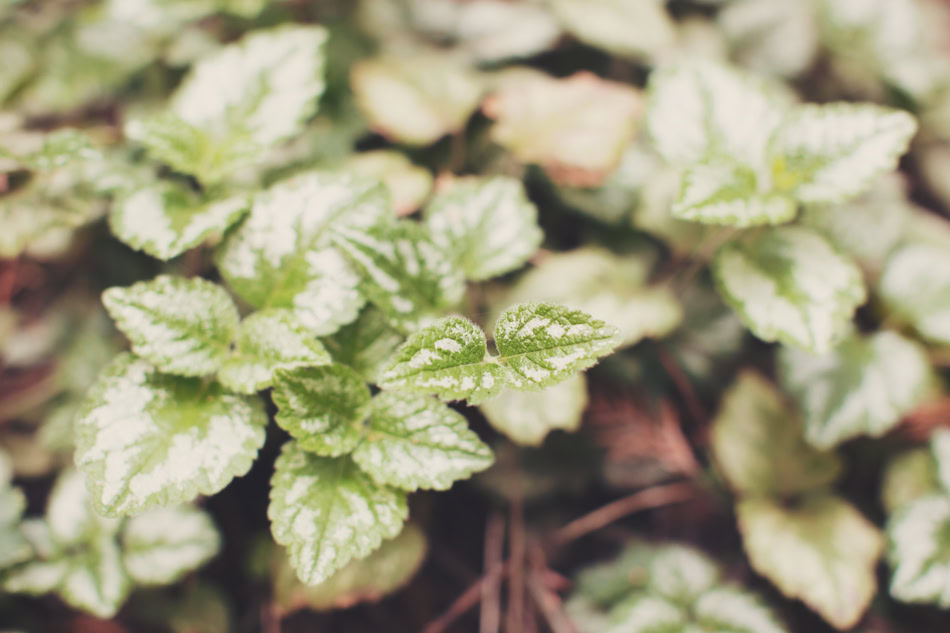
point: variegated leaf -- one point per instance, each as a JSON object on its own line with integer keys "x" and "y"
{"x": 408, "y": 184}
{"x": 163, "y": 544}
{"x": 528, "y": 417}
{"x": 915, "y": 286}
{"x": 405, "y": 273}
{"x": 919, "y": 551}
{"x": 145, "y": 439}
{"x": 862, "y": 387}
{"x": 165, "y": 220}
{"x": 414, "y": 442}
{"x": 449, "y": 359}
{"x": 720, "y": 193}
{"x": 639, "y": 29}
{"x": 267, "y": 341}
{"x": 759, "y": 446}
{"x": 327, "y": 512}
{"x": 908, "y": 477}
{"x": 182, "y": 326}
{"x": 323, "y": 408}
{"x": 822, "y": 551}
{"x": 700, "y": 110}
{"x": 95, "y": 579}
{"x": 543, "y": 344}
{"x": 281, "y": 257}
{"x": 488, "y": 225}
{"x": 789, "y": 285}
{"x": 831, "y": 152}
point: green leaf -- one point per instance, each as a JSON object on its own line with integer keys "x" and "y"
{"x": 323, "y": 408}
{"x": 449, "y": 359}
{"x": 14, "y": 548}
{"x": 145, "y": 438}
{"x": 365, "y": 344}
{"x": 488, "y": 225}
{"x": 70, "y": 516}
{"x": 612, "y": 288}
{"x": 280, "y": 256}
{"x": 721, "y": 193}
{"x": 908, "y": 477}
{"x": 414, "y": 442}
{"x": 165, "y": 220}
{"x": 405, "y": 273}
{"x": 55, "y": 149}
{"x": 528, "y": 417}
{"x": 789, "y": 285}
{"x": 758, "y": 443}
{"x": 700, "y": 110}
{"x": 940, "y": 448}
{"x": 262, "y": 87}
{"x": 648, "y": 614}
{"x": 367, "y": 580}
{"x": 920, "y": 551}
{"x": 629, "y": 28}
{"x": 267, "y": 341}
{"x": 822, "y": 552}
{"x": 543, "y": 344}
{"x": 327, "y": 512}
{"x": 163, "y": 544}
{"x": 182, "y": 326}
{"x": 415, "y": 99}
{"x": 731, "y": 610}
{"x": 575, "y": 127}
{"x": 862, "y": 387}
{"x": 915, "y": 286}
{"x": 831, "y": 152}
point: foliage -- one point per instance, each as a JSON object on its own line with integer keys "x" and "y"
{"x": 362, "y": 252}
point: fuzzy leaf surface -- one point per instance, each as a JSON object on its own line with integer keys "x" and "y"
{"x": 327, "y": 512}
{"x": 323, "y": 408}
{"x": 414, "y": 442}
{"x": 182, "y": 326}
{"x": 145, "y": 439}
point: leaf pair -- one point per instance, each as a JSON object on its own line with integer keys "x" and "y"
{"x": 93, "y": 562}
{"x": 750, "y": 156}
{"x": 812, "y": 544}
{"x": 353, "y": 459}
{"x": 539, "y": 345}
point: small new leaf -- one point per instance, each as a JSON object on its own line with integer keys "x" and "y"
{"x": 327, "y": 512}
{"x": 405, "y": 273}
{"x": 163, "y": 544}
{"x": 823, "y": 552}
{"x": 488, "y": 225}
{"x": 182, "y": 326}
{"x": 759, "y": 447}
{"x": 267, "y": 341}
{"x": 415, "y": 442}
{"x": 323, "y": 408}
{"x": 544, "y": 344}
{"x": 281, "y": 256}
{"x": 145, "y": 439}
{"x": 831, "y": 152}
{"x": 789, "y": 285}
{"x": 862, "y": 387}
